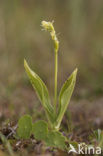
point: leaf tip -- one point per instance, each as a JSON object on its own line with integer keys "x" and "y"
{"x": 26, "y": 65}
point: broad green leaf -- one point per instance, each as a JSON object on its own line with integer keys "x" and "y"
{"x": 40, "y": 130}
{"x": 55, "y": 139}
{"x": 24, "y": 127}
{"x": 41, "y": 91}
{"x": 64, "y": 96}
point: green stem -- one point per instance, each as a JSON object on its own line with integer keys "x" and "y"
{"x": 55, "y": 88}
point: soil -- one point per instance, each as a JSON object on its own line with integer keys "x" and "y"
{"x": 83, "y": 118}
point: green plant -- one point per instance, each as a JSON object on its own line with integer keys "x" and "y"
{"x": 25, "y": 126}
{"x": 97, "y": 136}
{"x": 6, "y": 144}
{"x": 54, "y": 112}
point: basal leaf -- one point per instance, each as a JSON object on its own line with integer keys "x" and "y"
{"x": 41, "y": 91}
{"x": 24, "y": 127}
{"x": 55, "y": 139}
{"x": 40, "y": 130}
{"x": 64, "y": 96}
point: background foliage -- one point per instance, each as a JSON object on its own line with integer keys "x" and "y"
{"x": 79, "y": 26}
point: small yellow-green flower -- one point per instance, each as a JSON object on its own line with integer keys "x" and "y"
{"x": 48, "y": 26}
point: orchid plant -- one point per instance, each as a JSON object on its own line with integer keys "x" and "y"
{"x": 49, "y": 132}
